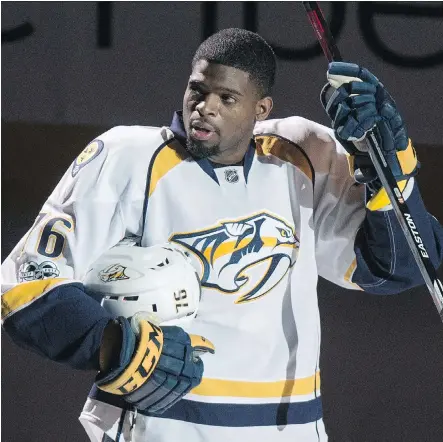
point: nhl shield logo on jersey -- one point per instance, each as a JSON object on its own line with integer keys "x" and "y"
{"x": 114, "y": 272}
{"x": 31, "y": 271}
{"x": 247, "y": 257}
{"x": 91, "y": 151}
{"x": 231, "y": 176}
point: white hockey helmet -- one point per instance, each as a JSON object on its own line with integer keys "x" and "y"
{"x": 158, "y": 280}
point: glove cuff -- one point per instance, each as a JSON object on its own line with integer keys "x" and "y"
{"x": 408, "y": 160}
{"x": 380, "y": 200}
{"x": 136, "y": 367}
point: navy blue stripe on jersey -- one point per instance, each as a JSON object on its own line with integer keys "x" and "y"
{"x": 229, "y": 415}
{"x": 207, "y": 168}
{"x": 249, "y": 158}
{"x": 148, "y": 183}
{"x": 178, "y": 128}
{"x": 385, "y": 264}
{"x": 245, "y": 415}
{"x": 75, "y": 339}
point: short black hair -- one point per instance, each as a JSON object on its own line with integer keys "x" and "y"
{"x": 244, "y": 50}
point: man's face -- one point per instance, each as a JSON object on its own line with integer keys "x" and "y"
{"x": 220, "y": 107}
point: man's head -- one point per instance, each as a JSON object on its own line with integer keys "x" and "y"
{"x": 233, "y": 72}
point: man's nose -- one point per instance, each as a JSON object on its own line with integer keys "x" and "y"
{"x": 209, "y": 105}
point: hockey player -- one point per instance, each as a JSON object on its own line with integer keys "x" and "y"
{"x": 262, "y": 207}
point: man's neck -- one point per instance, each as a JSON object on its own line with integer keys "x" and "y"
{"x": 231, "y": 156}
{"x": 218, "y": 165}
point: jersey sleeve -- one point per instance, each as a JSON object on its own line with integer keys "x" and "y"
{"x": 338, "y": 206}
{"x": 355, "y": 247}
{"x": 94, "y": 206}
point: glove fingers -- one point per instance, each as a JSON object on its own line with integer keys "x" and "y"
{"x": 389, "y": 150}
{"x": 150, "y": 392}
{"x": 401, "y": 139}
{"x": 338, "y": 68}
{"x": 175, "y": 334}
{"x": 353, "y": 100}
{"x": 366, "y": 116}
{"x": 363, "y": 110}
{"x": 341, "y": 115}
{"x": 172, "y": 398}
{"x": 163, "y": 395}
{"x": 350, "y": 131}
{"x": 162, "y": 406}
{"x": 193, "y": 371}
{"x": 357, "y": 101}
{"x": 171, "y": 364}
{"x": 336, "y": 97}
{"x": 395, "y": 122}
{"x": 354, "y": 130}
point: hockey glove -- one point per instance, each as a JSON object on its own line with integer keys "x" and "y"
{"x": 356, "y": 101}
{"x": 156, "y": 368}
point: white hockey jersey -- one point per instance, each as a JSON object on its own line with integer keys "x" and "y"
{"x": 259, "y": 235}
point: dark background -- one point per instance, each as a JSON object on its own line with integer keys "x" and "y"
{"x": 382, "y": 357}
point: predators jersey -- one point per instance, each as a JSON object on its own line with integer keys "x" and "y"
{"x": 259, "y": 235}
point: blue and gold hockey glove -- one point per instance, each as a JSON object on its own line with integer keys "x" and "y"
{"x": 157, "y": 368}
{"x": 356, "y": 101}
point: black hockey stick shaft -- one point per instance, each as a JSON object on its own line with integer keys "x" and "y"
{"x": 387, "y": 179}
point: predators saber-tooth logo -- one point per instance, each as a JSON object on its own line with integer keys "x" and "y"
{"x": 247, "y": 257}
{"x": 114, "y": 272}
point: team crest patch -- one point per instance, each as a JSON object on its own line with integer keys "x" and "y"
{"x": 115, "y": 272}
{"x": 91, "y": 151}
{"x": 31, "y": 271}
{"x": 246, "y": 257}
{"x": 231, "y": 176}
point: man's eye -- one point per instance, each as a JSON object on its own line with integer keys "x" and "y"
{"x": 195, "y": 90}
{"x": 228, "y": 99}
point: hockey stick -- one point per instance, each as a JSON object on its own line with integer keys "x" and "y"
{"x": 371, "y": 145}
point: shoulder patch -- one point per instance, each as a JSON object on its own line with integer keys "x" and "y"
{"x": 91, "y": 151}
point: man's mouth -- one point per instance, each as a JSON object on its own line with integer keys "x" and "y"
{"x": 201, "y": 131}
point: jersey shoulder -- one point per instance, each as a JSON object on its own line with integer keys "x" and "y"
{"x": 125, "y": 148}
{"x": 119, "y": 157}
{"x": 296, "y": 129}
{"x": 135, "y": 140}
{"x": 308, "y": 135}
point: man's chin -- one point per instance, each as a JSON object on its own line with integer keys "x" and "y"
{"x": 198, "y": 149}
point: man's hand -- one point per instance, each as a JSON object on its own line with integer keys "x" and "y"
{"x": 356, "y": 101}
{"x": 154, "y": 369}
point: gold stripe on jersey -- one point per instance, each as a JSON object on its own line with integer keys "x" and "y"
{"x": 286, "y": 388}
{"x": 169, "y": 156}
{"x": 284, "y": 150}
{"x": 26, "y": 292}
{"x": 349, "y": 274}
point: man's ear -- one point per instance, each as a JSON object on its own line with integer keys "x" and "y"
{"x": 263, "y": 108}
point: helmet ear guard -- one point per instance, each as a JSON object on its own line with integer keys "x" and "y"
{"x": 158, "y": 283}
